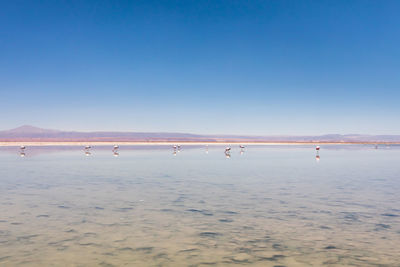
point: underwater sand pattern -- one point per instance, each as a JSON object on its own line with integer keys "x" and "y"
{"x": 269, "y": 206}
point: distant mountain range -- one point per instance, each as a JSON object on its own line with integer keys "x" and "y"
{"x": 31, "y": 133}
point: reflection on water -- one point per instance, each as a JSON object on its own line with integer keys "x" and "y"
{"x": 271, "y": 206}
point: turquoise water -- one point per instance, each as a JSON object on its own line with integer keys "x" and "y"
{"x": 266, "y": 206}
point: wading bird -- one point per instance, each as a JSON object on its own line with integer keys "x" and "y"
{"x": 228, "y": 152}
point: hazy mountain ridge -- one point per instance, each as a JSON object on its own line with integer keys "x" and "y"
{"x": 31, "y": 133}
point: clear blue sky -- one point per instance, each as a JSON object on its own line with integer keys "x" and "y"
{"x": 234, "y": 67}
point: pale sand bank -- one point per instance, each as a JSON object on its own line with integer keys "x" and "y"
{"x": 91, "y": 143}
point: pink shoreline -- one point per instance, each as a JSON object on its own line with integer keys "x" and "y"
{"x": 108, "y": 143}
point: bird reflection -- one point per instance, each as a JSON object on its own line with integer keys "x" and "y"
{"x": 317, "y": 157}
{"x": 87, "y": 151}
{"x": 241, "y": 149}
{"x": 22, "y": 151}
{"x": 228, "y": 152}
{"x": 177, "y": 148}
{"x": 206, "y": 149}
{"x": 115, "y": 151}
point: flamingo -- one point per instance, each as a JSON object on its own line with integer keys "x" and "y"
{"x": 228, "y": 152}
{"x": 317, "y": 148}
{"x": 22, "y": 151}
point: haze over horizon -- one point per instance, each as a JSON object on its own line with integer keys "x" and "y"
{"x": 220, "y": 67}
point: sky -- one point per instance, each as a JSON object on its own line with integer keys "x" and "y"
{"x": 207, "y": 67}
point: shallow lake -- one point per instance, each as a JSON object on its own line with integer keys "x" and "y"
{"x": 149, "y": 206}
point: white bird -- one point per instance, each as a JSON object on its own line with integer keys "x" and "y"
{"x": 241, "y": 146}
{"x": 116, "y": 147}
{"x": 88, "y": 147}
{"x": 227, "y": 149}
{"x": 22, "y": 147}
